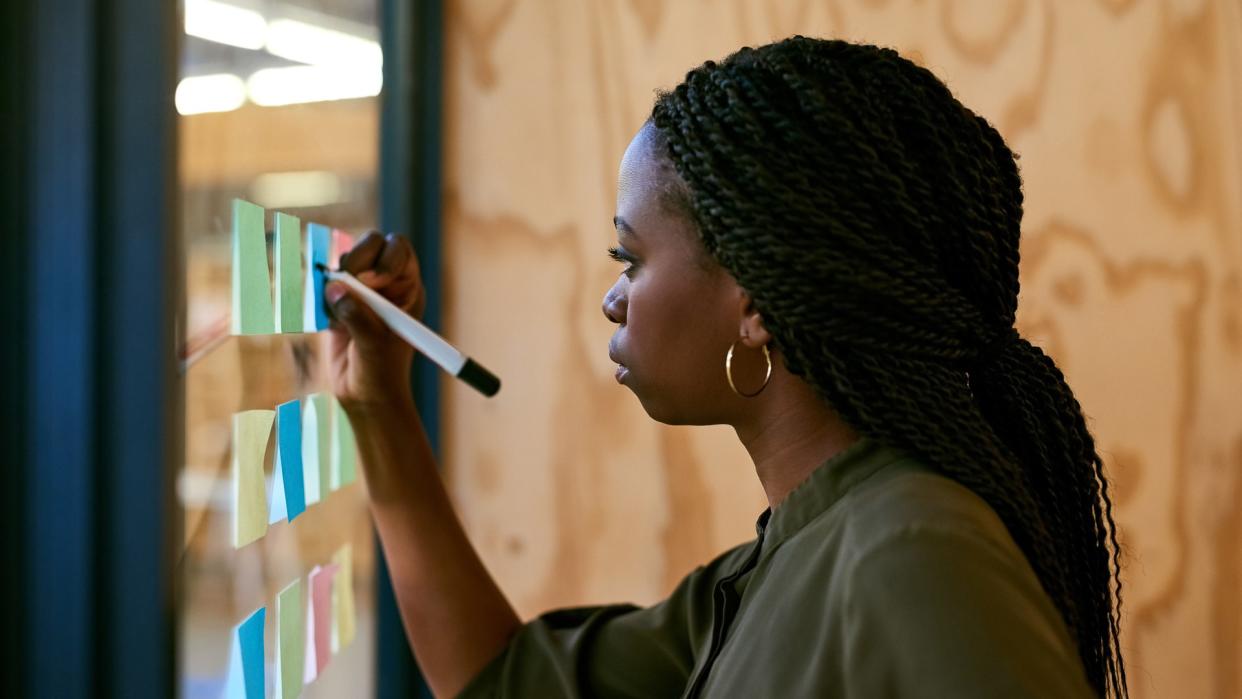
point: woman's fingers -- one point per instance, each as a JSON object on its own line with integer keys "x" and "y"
{"x": 396, "y": 257}
{"x": 363, "y": 324}
{"x": 389, "y": 265}
{"x": 364, "y": 254}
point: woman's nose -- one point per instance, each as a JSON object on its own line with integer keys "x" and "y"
{"x": 615, "y": 304}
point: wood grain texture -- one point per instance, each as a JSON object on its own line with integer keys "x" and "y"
{"x": 1126, "y": 115}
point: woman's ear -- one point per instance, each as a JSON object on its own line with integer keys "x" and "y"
{"x": 751, "y": 329}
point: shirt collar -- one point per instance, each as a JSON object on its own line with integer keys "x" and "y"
{"x": 823, "y": 488}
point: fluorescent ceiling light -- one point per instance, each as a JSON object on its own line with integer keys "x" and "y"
{"x": 272, "y": 87}
{"x": 279, "y": 190}
{"x": 221, "y": 92}
{"x": 225, "y": 24}
{"x": 316, "y": 45}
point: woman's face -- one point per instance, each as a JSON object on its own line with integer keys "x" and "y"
{"x": 677, "y": 311}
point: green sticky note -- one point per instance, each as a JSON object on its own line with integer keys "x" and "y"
{"x": 323, "y": 429}
{"x": 344, "y": 448}
{"x": 252, "y": 288}
{"x": 288, "y": 274}
{"x": 252, "y": 430}
{"x": 290, "y": 639}
{"x": 343, "y": 615}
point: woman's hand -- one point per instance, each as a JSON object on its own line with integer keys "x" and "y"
{"x": 439, "y": 580}
{"x": 370, "y": 364}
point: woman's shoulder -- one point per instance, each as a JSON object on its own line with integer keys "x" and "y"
{"x": 909, "y": 499}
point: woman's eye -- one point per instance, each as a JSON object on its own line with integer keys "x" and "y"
{"x": 624, "y": 257}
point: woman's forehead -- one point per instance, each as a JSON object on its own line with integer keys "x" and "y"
{"x": 639, "y": 170}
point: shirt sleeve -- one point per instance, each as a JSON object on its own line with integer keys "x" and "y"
{"x": 608, "y": 651}
{"x": 937, "y": 612}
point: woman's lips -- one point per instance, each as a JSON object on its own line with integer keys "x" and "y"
{"x": 621, "y": 371}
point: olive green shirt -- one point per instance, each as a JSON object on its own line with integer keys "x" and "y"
{"x": 874, "y": 578}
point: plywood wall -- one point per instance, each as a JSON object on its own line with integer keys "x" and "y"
{"x": 1126, "y": 115}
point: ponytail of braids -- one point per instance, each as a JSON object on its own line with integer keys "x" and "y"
{"x": 875, "y": 222}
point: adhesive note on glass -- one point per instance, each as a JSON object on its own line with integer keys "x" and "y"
{"x": 319, "y": 621}
{"x": 289, "y": 457}
{"x": 342, "y": 243}
{"x": 344, "y": 448}
{"x": 289, "y": 285}
{"x": 235, "y": 681}
{"x": 310, "y": 452}
{"x": 343, "y": 615}
{"x": 323, "y": 427}
{"x": 247, "y": 678}
{"x": 252, "y": 287}
{"x": 310, "y": 665}
{"x": 290, "y": 640}
{"x": 276, "y": 509}
{"x": 318, "y": 240}
{"x": 251, "y": 431}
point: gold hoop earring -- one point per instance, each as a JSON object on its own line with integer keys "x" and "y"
{"x": 729, "y": 371}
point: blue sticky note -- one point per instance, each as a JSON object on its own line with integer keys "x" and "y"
{"x": 318, "y": 241}
{"x": 250, "y": 643}
{"x": 289, "y": 448}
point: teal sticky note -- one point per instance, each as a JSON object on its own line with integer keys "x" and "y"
{"x": 289, "y": 285}
{"x": 247, "y": 675}
{"x": 289, "y": 452}
{"x": 290, "y": 640}
{"x": 252, "y": 287}
{"x": 318, "y": 241}
{"x": 344, "y": 448}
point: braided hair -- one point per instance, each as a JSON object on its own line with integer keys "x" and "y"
{"x": 874, "y": 220}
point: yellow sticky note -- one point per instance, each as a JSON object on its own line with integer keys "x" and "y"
{"x": 252, "y": 286}
{"x": 288, "y": 274}
{"x": 344, "y": 448}
{"x": 252, "y": 430}
{"x": 343, "y": 619}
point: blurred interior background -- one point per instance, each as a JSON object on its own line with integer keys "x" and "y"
{"x": 491, "y": 131}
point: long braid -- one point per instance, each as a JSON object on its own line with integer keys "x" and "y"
{"x": 875, "y": 222}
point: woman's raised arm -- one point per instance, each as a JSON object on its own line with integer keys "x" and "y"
{"x": 455, "y": 616}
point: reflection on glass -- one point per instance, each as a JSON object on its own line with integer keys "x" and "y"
{"x": 278, "y": 106}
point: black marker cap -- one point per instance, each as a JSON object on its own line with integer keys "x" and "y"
{"x": 481, "y": 379}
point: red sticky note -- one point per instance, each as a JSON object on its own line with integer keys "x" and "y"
{"x": 342, "y": 243}
{"x": 319, "y": 620}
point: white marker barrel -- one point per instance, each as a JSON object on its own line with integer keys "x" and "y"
{"x": 421, "y": 337}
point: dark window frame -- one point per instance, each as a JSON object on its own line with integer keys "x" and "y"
{"x": 410, "y": 203}
{"x": 95, "y": 293}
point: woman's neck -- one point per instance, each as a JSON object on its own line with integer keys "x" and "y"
{"x": 789, "y": 433}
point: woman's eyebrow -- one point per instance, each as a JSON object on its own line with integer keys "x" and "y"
{"x": 623, "y": 227}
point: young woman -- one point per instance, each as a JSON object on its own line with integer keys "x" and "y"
{"x": 821, "y": 250}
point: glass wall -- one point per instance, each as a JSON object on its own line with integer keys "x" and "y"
{"x": 278, "y": 105}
